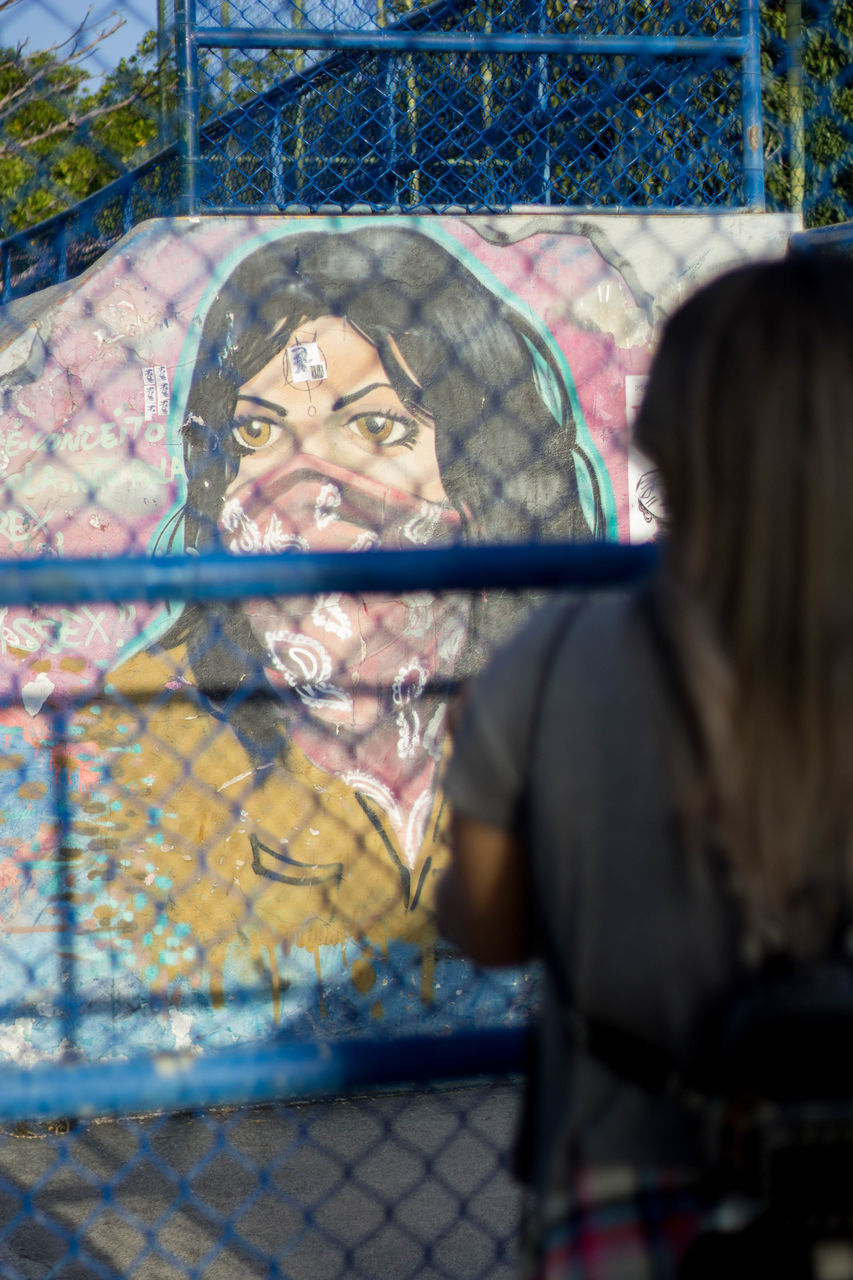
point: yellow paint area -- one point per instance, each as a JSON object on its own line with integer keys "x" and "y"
{"x": 211, "y": 858}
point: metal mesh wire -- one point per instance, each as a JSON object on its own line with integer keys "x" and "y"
{"x": 479, "y": 129}
{"x": 342, "y": 108}
{"x": 569, "y": 135}
{"x": 339, "y": 115}
{"x": 227, "y": 835}
{"x": 223, "y": 819}
{"x": 396, "y": 1186}
{"x": 809, "y": 110}
{"x": 157, "y": 896}
{"x": 590, "y": 17}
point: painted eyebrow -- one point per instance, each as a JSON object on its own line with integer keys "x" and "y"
{"x": 363, "y": 391}
{"x": 277, "y": 409}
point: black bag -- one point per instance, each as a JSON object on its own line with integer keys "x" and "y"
{"x": 776, "y": 1102}
{"x": 773, "y": 1094}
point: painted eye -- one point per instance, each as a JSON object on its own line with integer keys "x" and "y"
{"x": 253, "y": 433}
{"x": 381, "y": 428}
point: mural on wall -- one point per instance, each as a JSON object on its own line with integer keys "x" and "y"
{"x": 254, "y": 789}
{"x": 350, "y": 389}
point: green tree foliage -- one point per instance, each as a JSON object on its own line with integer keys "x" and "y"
{"x": 128, "y": 128}
{"x": 60, "y": 140}
{"x": 808, "y": 109}
{"x": 240, "y": 78}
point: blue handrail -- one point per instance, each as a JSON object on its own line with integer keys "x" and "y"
{"x": 838, "y": 238}
{"x": 274, "y": 1070}
{"x": 84, "y": 214}
{"x": 220, "y": 576}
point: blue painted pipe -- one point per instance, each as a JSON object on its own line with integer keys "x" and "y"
{"x": 275, "y": 1070}
{"x": 186, "y": 52}
{"x": 220, "y": 576}
{"x": 753, "y": 150}
{"x": 816, "y": 239}
{"x": 716, "y": 47}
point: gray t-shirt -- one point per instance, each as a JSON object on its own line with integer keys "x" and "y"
{"x": 569, "y": 740}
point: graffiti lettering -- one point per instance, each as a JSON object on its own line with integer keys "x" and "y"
{"x": 67, "y": 630}
{"x": 16, "y": 526}
{"x": 14, "y": 441}
{"x": 87, "y": 436}
{"x": 31, "y": 483}
{"x": 26, "y": 633}
{"x": 97, "y": 626}
{"x": 34, "y": 483}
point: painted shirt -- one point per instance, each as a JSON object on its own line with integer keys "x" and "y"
{"x": 190, "y": 861}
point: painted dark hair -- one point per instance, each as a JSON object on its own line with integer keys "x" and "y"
{"x": 506, "y": 437}
{"x": 749, "y": 417}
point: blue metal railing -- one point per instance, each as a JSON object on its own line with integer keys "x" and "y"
{"x": 836, "y": 239}
{"x": 641, "y": 49}
{"x": 361, "y": 129}
{"x": 220, "y": 576}
{"x": 63, "y": 246}
{"x": 277, "y": 1070}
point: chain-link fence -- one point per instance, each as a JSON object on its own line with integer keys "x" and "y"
{"x": 478, "y": 106}
{"x": 289, "y": 1156}
{"x": 221, "y": 777}
{"x": 468, "y": 106}
{"x": 223, "y": 819}
{"x": 392, "y": 1185}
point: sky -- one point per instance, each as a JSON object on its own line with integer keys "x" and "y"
{"x": 45, "y": 22}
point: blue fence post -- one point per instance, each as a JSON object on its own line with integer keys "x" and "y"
{"x": 390, "y": 147}
{"x": 542, "y": 109}
{"x": 66, "y": 954}
{"x": 188, "y": 102}
{"x": 60, "y": 243}
{"x": 753, "y": 152}
{"x": 277, "y": 157}
{"x": 127, "y": 208}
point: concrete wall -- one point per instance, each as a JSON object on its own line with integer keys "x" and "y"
{"x": 255, "y": 815}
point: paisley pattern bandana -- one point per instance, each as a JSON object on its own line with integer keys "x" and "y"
{"x": 362, "y": 670}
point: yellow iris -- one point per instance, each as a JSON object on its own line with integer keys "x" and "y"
{"x": 254, "y": 433}
{"x": 379, "y": 428}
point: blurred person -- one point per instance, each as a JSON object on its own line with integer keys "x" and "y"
{"x": 653, "y": 791}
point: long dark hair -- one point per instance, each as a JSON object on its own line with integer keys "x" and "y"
{"x": 749, "y": 417}
{"x": 506, "y": 437}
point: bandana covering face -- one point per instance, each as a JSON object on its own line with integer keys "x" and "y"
{"x": 359, "y": 668}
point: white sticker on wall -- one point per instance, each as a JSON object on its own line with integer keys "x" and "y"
{"x": 305, "y": 362}
{"x": 645, "y": 497}
{"x": 155, "y": 385}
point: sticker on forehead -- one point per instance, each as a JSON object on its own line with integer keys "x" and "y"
{"x": 305, "y": 362}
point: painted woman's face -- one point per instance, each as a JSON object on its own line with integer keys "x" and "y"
{"x": 328, "y": 395}
{"x": 333, "y": 460}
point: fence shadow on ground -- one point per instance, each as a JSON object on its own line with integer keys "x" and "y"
{"x": 381, "y": 1187}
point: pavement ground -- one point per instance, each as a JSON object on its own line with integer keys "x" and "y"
{"x": 396, "y": 1186}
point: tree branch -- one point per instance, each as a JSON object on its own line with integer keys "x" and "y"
{"x": 59, "y": 74}
{"x": 76, "y": 52}
{"x": 68, "y": 124}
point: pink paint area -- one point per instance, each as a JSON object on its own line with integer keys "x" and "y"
{"x": 85, "y": 465}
